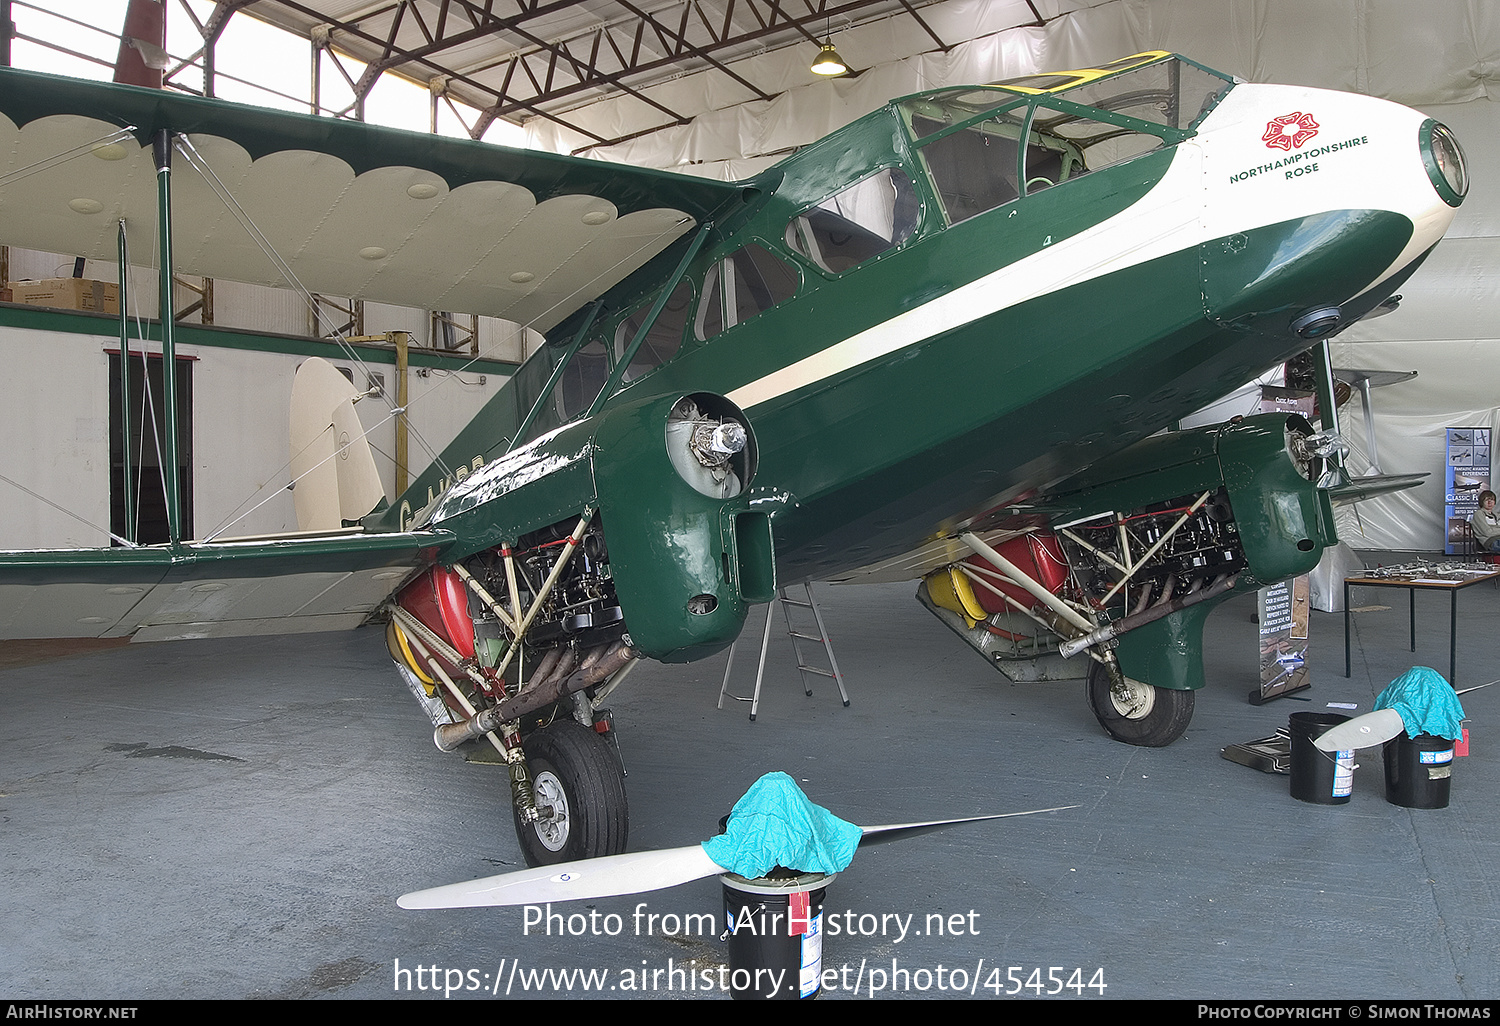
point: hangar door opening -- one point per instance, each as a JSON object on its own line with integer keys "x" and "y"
{"x": 146, "y": 491}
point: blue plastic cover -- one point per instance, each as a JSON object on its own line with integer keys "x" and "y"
{"x": 1426, "y": 703}
{"x": 775, "y": 824}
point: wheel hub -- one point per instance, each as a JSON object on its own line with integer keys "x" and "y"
{"x": 552, "y": 811}
{"x": 1132, "y": 699}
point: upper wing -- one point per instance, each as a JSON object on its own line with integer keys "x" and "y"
{"x": 355, "y": 210}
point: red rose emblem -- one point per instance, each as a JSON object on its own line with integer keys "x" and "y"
{"x": 1290, "y": 131}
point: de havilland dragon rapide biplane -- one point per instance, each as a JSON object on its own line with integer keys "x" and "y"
{"x": 939, "y": 345}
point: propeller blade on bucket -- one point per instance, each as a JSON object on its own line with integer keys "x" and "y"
{"x": 605, "y": 877}
{"x": 897, "y": 831}
{"x": 1374, "y": 728}
{"x": 631, "y": 873}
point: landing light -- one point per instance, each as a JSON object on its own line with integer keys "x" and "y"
{"x": 1445, "y": 162}
{"x": 1318, "y": 323}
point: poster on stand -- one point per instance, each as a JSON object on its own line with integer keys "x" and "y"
{"x": 1283, "y": 639}
{"x": 1466, "y": 473}
{"x": 1283, "y": 607}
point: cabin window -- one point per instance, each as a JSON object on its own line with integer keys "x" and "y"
{"x": 748, "y": 282}
{"x": 976, "y": 168}
{"x": 857, "y": 223}
{"x": 582, "y": 379}
{"x": 664, "y": 337}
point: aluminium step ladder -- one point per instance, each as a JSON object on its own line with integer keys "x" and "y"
{"x": 803, "y": 667}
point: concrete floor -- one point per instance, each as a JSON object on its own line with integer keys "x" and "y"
{"x": 229, "y": 819}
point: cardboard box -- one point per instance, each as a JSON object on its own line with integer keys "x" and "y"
{"x": 68, "y": 294}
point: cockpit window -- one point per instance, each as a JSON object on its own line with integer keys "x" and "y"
{"x": 1065, "y": 143}
{"x": 933, "y": 112}
{"x": 1172, "y": 93}
{"x": 581, "y": 380}
{"x": 970, "y": 139}
{"x": 748, "y": 282}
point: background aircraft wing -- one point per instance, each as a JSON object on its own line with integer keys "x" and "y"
{"x": 356, "y": 210}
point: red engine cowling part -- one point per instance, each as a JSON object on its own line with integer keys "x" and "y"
{"x": 439, "y": 599}
{"x": 1039, "y": 554}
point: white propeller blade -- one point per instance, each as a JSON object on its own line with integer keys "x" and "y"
{"x": 1374, "y": 728}
{"x": 605, "y": 877}
{"x": 631, "y": 873}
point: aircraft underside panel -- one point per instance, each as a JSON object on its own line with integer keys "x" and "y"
{"x": 64, "y": 610}
{"x": 233, "y": 589}
{"x": 240, "y": 607}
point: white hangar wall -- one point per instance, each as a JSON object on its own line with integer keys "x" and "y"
{"x": 1440, "y": 56}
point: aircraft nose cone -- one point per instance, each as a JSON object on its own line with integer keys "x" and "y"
{"x": 1317, "y": 201}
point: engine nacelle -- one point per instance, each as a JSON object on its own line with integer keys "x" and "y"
{"x": 1249, "y": 506}
{"x": 671, "y": 554}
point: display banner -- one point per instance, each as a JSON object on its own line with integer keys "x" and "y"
{"x": 1466, "y": 473}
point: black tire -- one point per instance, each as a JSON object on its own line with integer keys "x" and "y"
{"x": 1159, "y": 717}
{"x": 577, "y": 766}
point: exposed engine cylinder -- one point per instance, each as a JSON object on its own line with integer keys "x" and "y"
{"x": 474, "y": 614}
{"x": 1205, "y": 548}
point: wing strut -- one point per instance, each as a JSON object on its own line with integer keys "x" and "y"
{"x": 124, "y": 281}
{"x": 161, "y": 145}
{"x": 557, "y": 373}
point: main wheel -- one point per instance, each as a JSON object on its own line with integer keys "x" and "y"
{"x": 580, "y": 791}
{"x": 1147, "y": 716}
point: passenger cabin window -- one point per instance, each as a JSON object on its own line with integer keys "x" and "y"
{"x": 664, "y": 337}
{"x": 748, "y": 282}
{"x": 858, "y": 223}
{"x": 581, "y": 380}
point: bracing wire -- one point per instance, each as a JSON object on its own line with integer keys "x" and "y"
{"x": 63, "y": 509}
{"x": 53, "y": 161}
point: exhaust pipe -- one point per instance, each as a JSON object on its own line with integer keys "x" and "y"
{"x": 1126, "y": 624}
{"x": 599, "y": 665}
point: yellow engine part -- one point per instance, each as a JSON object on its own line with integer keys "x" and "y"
{"x": 396, "y": 644}
{"x": 951, "y": 590}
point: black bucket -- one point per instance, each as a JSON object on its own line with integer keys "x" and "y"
{"x": 1323, "y": 778}
{"x": 1418, "y": 771}
{"x": 775, "y": 929}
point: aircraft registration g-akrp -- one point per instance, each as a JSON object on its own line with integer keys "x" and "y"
{"x": 939, "y": 345}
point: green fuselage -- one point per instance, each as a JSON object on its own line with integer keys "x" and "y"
{"x": 976, "y": 405}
